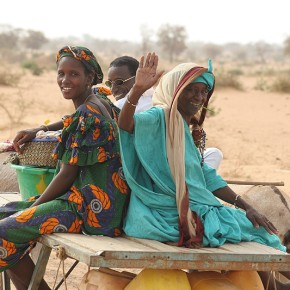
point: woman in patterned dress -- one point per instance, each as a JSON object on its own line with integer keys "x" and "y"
{"x": 88, "y": 193}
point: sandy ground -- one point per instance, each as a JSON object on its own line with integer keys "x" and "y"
{"x": 252, "y": 130}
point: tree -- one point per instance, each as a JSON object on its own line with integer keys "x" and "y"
{"x": 213, "y": 50}
{"x": 262, "y": 49}
{"x": 172, "y": 38}
{"x": 287, "y": 46}
{"x": 34, "y": 39}
{"x": 146, "y": 34}
{"x": 8, "y": 40}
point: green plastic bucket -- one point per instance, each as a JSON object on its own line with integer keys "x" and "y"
{"x": 32, "y": 180}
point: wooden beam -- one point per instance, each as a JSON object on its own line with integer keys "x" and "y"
{"x": 239, "y": 182}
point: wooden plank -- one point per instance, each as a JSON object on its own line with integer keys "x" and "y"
{"x": 77, "y": 252}
{"x": 202, "y": 265}
{"x": 5, "y": 281}
{"x": 40, "y": 268}
{"x": 216, "y": 259}
{"x": 95, "y": 244}
{"x": 6, "y": 197}
{"x": 97, "y": 251}
{"x": 83, "y": 248}
{"x": 154, "y": 244}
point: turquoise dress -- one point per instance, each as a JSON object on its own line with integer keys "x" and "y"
{"x": 152, "y": 212}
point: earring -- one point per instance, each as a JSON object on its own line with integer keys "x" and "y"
{"x": 90, "y": 84}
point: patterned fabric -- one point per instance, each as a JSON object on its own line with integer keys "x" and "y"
{"x": 95, "y": 202}
{"x": 103, "y": 93}
{"x": 84, "y": 55}
{"x": 99, "y": 193}
{"x": 21, "y": 225}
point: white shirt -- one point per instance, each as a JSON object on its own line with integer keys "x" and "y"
{"x": 144, "y": 103}
{"x": 212, "y": 156}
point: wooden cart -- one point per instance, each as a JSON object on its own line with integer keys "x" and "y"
{"x": 126, "y": 252}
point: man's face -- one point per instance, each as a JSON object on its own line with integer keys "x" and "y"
{"x": 118, "y": 78}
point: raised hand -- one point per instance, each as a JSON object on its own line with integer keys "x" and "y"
{"x": 147, "y": 75}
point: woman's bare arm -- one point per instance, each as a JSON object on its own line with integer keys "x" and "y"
{"x": 146, "y": 77}
{"x": 60, "y": 184}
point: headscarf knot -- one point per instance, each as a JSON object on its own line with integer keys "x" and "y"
{"x": 207, "y": 77}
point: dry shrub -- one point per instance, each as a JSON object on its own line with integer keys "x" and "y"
{"x": 227, "y": 79}
{"x": 212, "y": 109}
{"x": 281, "y": 84}
{"x": 262, "y": 85}
{"x": 17, "y": 112}
{"x": 8, "y": 77}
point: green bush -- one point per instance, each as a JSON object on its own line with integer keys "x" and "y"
{"x": 33, "y": 67}
{"x": 236, "y": 72}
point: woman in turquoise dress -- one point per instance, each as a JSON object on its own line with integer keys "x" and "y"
{"x": 174, "y": 194}
{"x": 88, "y": 193}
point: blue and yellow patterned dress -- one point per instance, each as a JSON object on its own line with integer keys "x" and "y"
{"x": 94, "y": 203}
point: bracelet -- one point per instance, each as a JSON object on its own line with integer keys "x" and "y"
{"x": 235, "y": 202}
{"x": 131, "y": 103}
{"x": 44, "y": 127}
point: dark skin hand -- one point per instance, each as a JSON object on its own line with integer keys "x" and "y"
{"x": 28, "y": 134}
{"x": 146, "y": 77}
{"x": 257, "y": 219}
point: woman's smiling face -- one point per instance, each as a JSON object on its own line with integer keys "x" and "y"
{"x": 72, "y": 78}
{"x": 192, "y": 99}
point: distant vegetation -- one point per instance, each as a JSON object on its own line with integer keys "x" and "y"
{"x": 228, "y": 79}
{"x": 27, "y": 51}
{"x": 33, "y": 51}
{"x": 32, "y": 66}
{"x": 8, "y": 77}
{"x": 281, "y": 84}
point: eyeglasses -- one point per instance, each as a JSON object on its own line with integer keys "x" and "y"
{"x": 117, "y": 82}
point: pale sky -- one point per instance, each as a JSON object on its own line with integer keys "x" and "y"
{"x": 215, "y": 21}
